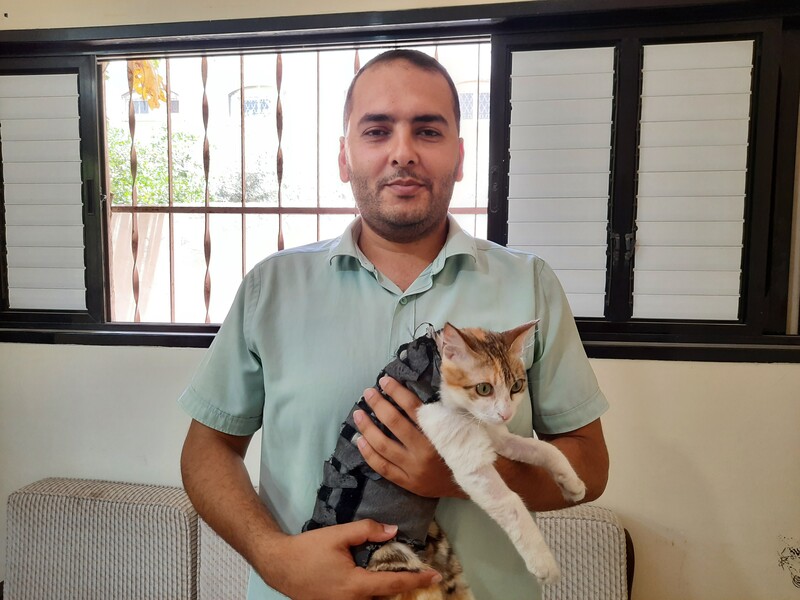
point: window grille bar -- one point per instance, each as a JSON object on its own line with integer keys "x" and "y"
{"x": 206, "y": 168}
{"x": 244, "y": 163}
{"x": 268, "y": 210}
{"x": 477, "y": 135}
{"x": 319, "y": 217}
{"x": 134, "y": 217}
{"x": 279, "y": 127}
{"x": 171, "y": 197}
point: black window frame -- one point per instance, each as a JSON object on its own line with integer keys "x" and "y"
{"x": 550, "y": 22}
{"x": 771, "y": 161}
{"x": 84, "y": 68}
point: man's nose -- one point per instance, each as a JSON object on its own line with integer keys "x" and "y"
{"x": 404, "y": 152}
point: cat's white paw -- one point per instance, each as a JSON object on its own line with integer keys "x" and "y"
{"x": 545, "y": 568}
{"x": 572, "y": 488}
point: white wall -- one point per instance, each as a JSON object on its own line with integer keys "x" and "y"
{"x": 704, "y": 455}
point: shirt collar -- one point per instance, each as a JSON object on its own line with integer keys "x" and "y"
{"x": 458, "y": 242}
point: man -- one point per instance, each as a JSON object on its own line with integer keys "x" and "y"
{"x": 311, "y": 327}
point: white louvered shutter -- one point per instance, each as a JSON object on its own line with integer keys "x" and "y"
{"x": 691, "y": 180}
{"x": 561, "y": 113}
{"x": 42, "y": 190}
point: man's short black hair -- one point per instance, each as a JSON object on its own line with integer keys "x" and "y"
{"x": 416, "y": 58}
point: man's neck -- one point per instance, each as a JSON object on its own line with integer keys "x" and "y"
{"x": 401, "y": 262}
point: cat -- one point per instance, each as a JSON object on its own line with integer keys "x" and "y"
{"x": 470, "y": 382}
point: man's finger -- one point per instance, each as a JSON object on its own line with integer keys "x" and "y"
{"x": 379, "y": 464}
{"x": 405, "y": 398}
{"x": 390, "y": 415}
{"x": 384, "y": 445}
{"x": 367, "y": 530}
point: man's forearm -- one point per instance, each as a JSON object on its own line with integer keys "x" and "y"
{"x": 219, "y": 486}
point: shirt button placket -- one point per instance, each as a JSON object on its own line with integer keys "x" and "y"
{"x": 402, "y": 324}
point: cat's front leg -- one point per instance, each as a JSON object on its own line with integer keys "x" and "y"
{"x": 487, "y": 489}
{"x": 467, "y": 449}
{"x": 542, "y": 454}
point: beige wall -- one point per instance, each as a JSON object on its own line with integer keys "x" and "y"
{"x": 48, "y": 14}
{"x": 704, "y": 455}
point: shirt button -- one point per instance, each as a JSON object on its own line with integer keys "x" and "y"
{"x": 403, "y": 300}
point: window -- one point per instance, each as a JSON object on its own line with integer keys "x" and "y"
{"x": 652, "y": 164}
{"x": 684, "y": 247}
{"x": 631, "y": 167}
{"x": 185, "y": 224}
{"x": 51, "y": 213}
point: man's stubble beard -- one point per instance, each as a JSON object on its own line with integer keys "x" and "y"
{"x": 403, "y": 227}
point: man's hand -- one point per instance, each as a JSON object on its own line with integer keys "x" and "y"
{"x": 317, "y": 565}
{"x": 411, "y": 462}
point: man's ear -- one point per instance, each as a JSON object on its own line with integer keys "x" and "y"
{"x": 460, "y": 170}
{"x": 344, "y": 172}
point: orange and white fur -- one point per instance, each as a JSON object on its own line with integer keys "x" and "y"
{"x": 483, "y": 382}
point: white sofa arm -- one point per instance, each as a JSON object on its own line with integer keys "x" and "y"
{"x": 81, "y": 539}
{"x": 594, "y": 552}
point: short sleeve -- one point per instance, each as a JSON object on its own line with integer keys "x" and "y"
{"x": 226, "y": 392}
{"x": 565, "y": 391}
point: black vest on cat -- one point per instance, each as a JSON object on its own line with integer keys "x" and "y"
{"x": 351, "y": 490}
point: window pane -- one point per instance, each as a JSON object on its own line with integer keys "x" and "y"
{"x": 190, "y": 269}
{"x": 691, "y": 191}
{"x": 152, "y": 265}
{"x": 260, "y": 132}
{"x": 225, "y": 264}
{"x": 188, "y": 131}
{"x": 262, "y": 238}
{"x": 473, "y": 87}
{"x": 41, "y": 196}
{"x": 299, "y": 230}
{"x": 560, "y": 166}
{"x": 333, "y": 88}
{"x": 299, "y": 100}
{"x": 224, "y": 131}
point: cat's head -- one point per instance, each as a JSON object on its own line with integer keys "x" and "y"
{"x": 482, "y": 371}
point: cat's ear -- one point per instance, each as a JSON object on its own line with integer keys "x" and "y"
{"x": 451, "y": 343}
{"x": 518, "y": 338}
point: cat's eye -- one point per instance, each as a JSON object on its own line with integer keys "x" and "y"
{"x": 484, "y": 389}
{"x": 518, "y": 385}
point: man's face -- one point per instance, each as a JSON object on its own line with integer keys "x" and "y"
{"x": 401, "y": 152}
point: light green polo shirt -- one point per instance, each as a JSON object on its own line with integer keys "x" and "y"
{"x": 310, "y": 329}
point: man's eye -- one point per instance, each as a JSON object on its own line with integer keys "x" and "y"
{"x": 429, "y": 133}
{"x": 376, "y": 132}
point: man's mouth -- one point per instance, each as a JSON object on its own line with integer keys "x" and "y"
{"x": 405, "y": 186}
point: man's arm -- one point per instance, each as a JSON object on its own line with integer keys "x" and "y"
{"x": 414, "y": 464}
{"x": 219, "y": 486}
